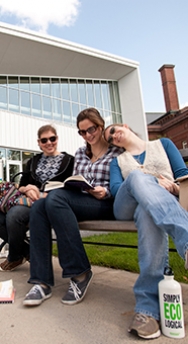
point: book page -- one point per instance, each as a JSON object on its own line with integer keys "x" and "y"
{"x": 7, "y": 291}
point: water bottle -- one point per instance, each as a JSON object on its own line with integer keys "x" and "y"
{"x": 171, "y": 306}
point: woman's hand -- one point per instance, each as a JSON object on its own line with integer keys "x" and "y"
{"x": 172, "y": 187}
{"x": 99, "y": 192}
{"x": 30, "y": 191}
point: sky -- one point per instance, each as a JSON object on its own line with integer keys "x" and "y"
{"x": 150, "y": 32}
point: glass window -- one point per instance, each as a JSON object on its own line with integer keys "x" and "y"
{"x": 46, "y": 107}
{"x": 111, "y": 94}
{"x": 97, "y": 90}
{"x": 45, "y": 86}
{"x": 13, "y": 155}
{"x": 65, "y": 89}
{"x": 90, "y": 97}
{"x": 105, "y": 94}
{"x": 57, "y": 113}
{"x": 36, "y": 105}
{"x": 55, "y": 85}
{"x": 116, "y": 96}
{"x": 3, "y": 157}
{"x": 75, "y": 111}
{"x": 26, "y": 156}
{"x": 35, "y": 85}
{"x": 66, "y": 112}
{"x": 3, "y": 80}
{"x": 24, "y": 83}
{"x": 13, "y": 100}
{"x": 82, "y": 92}
{"x": 3, "y": 98}
{"x": 74, "y": 90}
{"x": 13, "y": 81}
{"x": 25, "y": 106}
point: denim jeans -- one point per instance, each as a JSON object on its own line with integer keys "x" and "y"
{"x": 61, "y": 210}
{"x": 3, "y": 231}
{"x": 17, "y": 219}
{"x": 157, "y": 214}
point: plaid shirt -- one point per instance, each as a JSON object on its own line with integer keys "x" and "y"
{"x": 96, "y": 173}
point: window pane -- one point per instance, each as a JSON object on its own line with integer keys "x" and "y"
{"x": 35, "y": 85}
{"x": 45, "y": 86}
{"x": 3, "y": 98}
{"x": 74, "y": 90}
{"x": 66, "y": 112}
{"x": 13, "y": 81}
{"x": 97, "y": 90}
{"x": 24, "y": 83}
{"x": 46, "y": 107}
{"x": 116, "y": 96}
{"x": 13, "y": 155}
{"x": 90, "y": 97}
{"x": 111, "y": 94}
{"x": 25, "y": 103}
{"x": 13, "y": 100}
{"x": 25, "y": 158}
{"x": 57, "y": 113}
{"x": 55, "y": 88}
{"x": 3, "y": 80}
{"x": 65, "y": 89}
{"x": 105, "y": 95}
{"x": 75, "y": 111}
{"x": 36, "y": 105}
{"x": 82, "y": 92}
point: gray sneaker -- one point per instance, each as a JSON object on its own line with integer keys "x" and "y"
{"x": 37, "y": 295}
{"x": 77, "y": 290}
{"x": 144, "y": 326}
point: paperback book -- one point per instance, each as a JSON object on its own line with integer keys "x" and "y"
{"x": 77, "y": 181}
{"x": 7, "y": 291}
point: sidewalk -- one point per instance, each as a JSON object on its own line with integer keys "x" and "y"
{"x": 101, "y": 318}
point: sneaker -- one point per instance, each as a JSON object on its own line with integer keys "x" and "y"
{"x": 144, "y": 326}
{"x": 37, "y": 295}
{"x": 77, "y": 290}
{"x": 10, "y": 266}
{"x": 186, "y": 260}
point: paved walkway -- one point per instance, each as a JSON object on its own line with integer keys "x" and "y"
{"x": 101, "y": 318}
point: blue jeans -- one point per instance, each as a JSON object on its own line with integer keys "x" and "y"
{"x": 157, "y": 214}
{"x": 61, "y": 210}
{"x": 3, "y": 230}
{"x": 17, "y": 219}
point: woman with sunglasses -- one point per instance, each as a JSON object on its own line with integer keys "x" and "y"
{"x": 62, "y": 210}
{"x": 49, "y": 165}
{"x": 142, "y": 182}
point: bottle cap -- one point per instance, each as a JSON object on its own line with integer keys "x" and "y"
{"x": 168, "y": 271}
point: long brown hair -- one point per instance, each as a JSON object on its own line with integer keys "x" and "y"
{"x": 94, "y": 116}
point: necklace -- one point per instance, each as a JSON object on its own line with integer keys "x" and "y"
{"x": 96, "y": 156}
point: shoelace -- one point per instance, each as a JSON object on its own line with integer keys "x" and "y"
{"x": 35, "y": 290}
{"x": 74, "y": 289}
{"x": 141, "y": 318}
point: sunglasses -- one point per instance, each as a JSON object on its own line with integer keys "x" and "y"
{"x": 90, "y": 130}
{"x": 111, "y": 132}
{"x": 51, "y": 139}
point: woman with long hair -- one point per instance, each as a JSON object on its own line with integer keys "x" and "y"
{"x": 142, "y": 182}
{"x": 62, "y": 210}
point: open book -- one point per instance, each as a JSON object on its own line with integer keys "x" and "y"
{"x": 7, "y": 292}
{"x": 77, "y": 181}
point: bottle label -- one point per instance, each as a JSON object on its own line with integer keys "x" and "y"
{"x": 173, "y": 312}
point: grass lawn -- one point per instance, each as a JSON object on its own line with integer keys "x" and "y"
{"x": 125, "y": 258}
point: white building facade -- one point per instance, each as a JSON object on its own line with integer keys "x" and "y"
{"x": 45, "y": 80}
